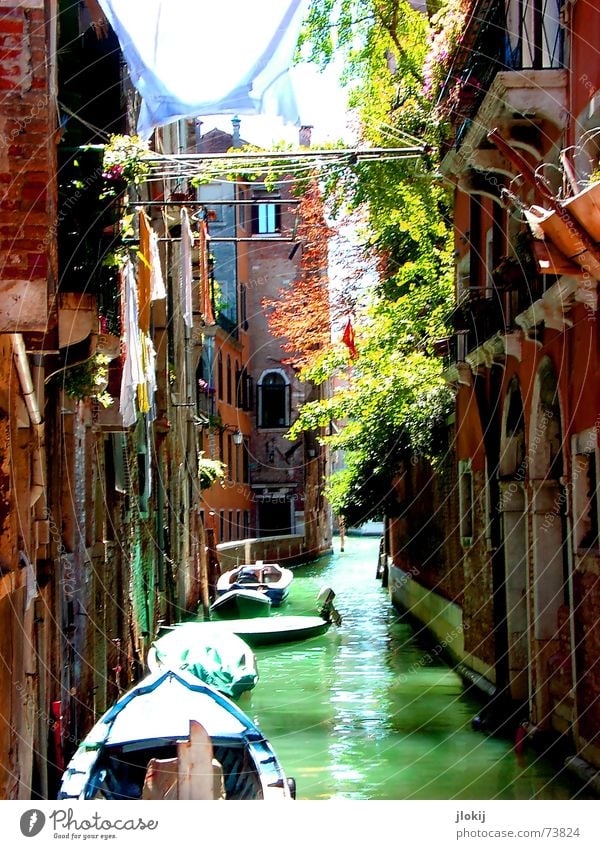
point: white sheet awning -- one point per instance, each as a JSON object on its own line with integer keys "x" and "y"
{"x": 195, "y": 57}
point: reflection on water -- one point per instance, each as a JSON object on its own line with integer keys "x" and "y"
{"x": 367, "y": 712}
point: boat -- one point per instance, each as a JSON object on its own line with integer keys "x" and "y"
{"x": 241, "y": 604}
{"x": 174, "y": 737}
{"x": 221, "y": 658}
{"x": 271, "y": 578}
{"x": 280, "y": 629}
{"x": 257, "y": 632}
{"x": 277, "y": 629}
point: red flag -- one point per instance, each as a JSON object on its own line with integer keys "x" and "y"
{"x": 348, "y": 340}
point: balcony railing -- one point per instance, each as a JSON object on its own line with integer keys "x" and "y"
{"x": 484, "y": 313}
{"x": 518, "y": 35}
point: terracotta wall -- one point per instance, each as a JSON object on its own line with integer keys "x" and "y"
{"x": 27, "y": 169}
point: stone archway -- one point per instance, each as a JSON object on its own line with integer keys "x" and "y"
{"x": 549, "y": 535}
{"x": 512, "y": 469}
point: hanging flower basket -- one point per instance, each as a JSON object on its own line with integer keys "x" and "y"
{"x": 205, "y": 388}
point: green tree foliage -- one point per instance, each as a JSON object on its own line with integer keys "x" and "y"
{"x": 395, "y": 403}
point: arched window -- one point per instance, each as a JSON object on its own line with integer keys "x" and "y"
{"x": 228, "y": 378}
{"x": 273, "y": 400}
{"x": 220, "y": 376}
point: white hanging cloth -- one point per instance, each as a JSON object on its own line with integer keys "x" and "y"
{"x": 189, "y": 58}
{"x": 157, "y": 283}
{"x": 133, "y": 369}
{"x": 185, "y": 270}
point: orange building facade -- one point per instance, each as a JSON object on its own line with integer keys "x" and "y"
{"x": 522, "y": 578}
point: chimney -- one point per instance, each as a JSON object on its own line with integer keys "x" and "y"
{"x": 235, "y": 123}
{"x": 304, "y": 135}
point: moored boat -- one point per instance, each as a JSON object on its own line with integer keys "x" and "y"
{"x": 172, "y": 736}
{"x": 278, "y": 629}
{"x": 271, "y": 578}
{"x": 259, "y": 632}
{"x": 219, "y": 658}
{"x": 241, "y": 604}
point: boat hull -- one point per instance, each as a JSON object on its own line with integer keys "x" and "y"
{"x": 261, "y": 632}
{"x": 241, "y": 604}
{"x": 150, "y": 724}
{"x": 279, "y": 629}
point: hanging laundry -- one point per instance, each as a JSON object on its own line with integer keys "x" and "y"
{"x": 160, "y": 42}
{"x": 144, "y": 273}
{"x": 142, "y": 388}
{"x": 185, "y": 270}
{"x": 133, "y": 372}
{"x": 157, "y": 284}
{"x": 31, "y": 590}
{"x": 146, "y": 390}
{"x": 205, "y": 294}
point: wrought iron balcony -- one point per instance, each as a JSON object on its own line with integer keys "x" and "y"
{"x": 517, "y": 35}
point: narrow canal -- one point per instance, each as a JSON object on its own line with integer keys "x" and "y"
{"x": 368, "y": 712}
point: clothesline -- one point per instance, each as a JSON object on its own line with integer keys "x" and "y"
{"x": 232, "y": 202}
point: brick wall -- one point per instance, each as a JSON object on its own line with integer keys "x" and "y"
{"x": 27, "y": 169}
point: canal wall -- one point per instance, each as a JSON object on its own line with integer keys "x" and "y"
{"x": 288, "y": 550}
{"x": 444, "y": 620}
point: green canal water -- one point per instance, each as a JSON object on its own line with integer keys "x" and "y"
{"x": 368, "y": 712}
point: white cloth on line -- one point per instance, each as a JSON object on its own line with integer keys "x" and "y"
{"x": 188, "y": 57}
{"x": 157, "y": 283}
{"x": 133, "y": 369}
{"x": 185, "y": 270}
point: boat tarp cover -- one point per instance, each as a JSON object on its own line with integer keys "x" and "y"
{"x": 215, "y": 653}
{"x": 166, "y": 711}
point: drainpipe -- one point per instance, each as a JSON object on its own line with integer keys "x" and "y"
{"x": 37, "y": 490}
{"x": 31, "y": 401}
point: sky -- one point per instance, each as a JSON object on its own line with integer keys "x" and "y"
{"x": 321, "y": 102}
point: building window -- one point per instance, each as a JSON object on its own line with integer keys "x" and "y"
{"x": 585, "y": 493}
{"x": 463, "y": 277}
{"x": 220, "y": 376}
{"x": 243, "y": 306}
{"x": 230, "y": 458}
{"x": 246, "y": 524}
{"x": 237, "y": 452}
{"x": 245, "y": 462}
{"x": 241, "y": 209}
{"x": 231, "y": 526}
{"x": 534, "y": 34}
{"x": 273, "y": 400}
{"x": 236, "y": 392}
{"x": 266, "y": 216}
{"x": 229, "y": 380}
{"x": 243, "y": 389}
{"x": 489, "y": 262}
{"x": 222, "y": 525}
{"x": 465, "y": 500}
{"x": 205, "y": 391}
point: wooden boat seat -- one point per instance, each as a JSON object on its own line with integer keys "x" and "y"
{"x": 270, "y": 576}
{"x": 193, "y": 774}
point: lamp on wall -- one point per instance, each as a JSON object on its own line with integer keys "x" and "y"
{"x": 238, "y": 436}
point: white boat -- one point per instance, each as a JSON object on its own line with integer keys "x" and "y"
{"x": 241, "y": 604}
{"x": 173, "y": 737}
{"x": 270, "y": 578}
